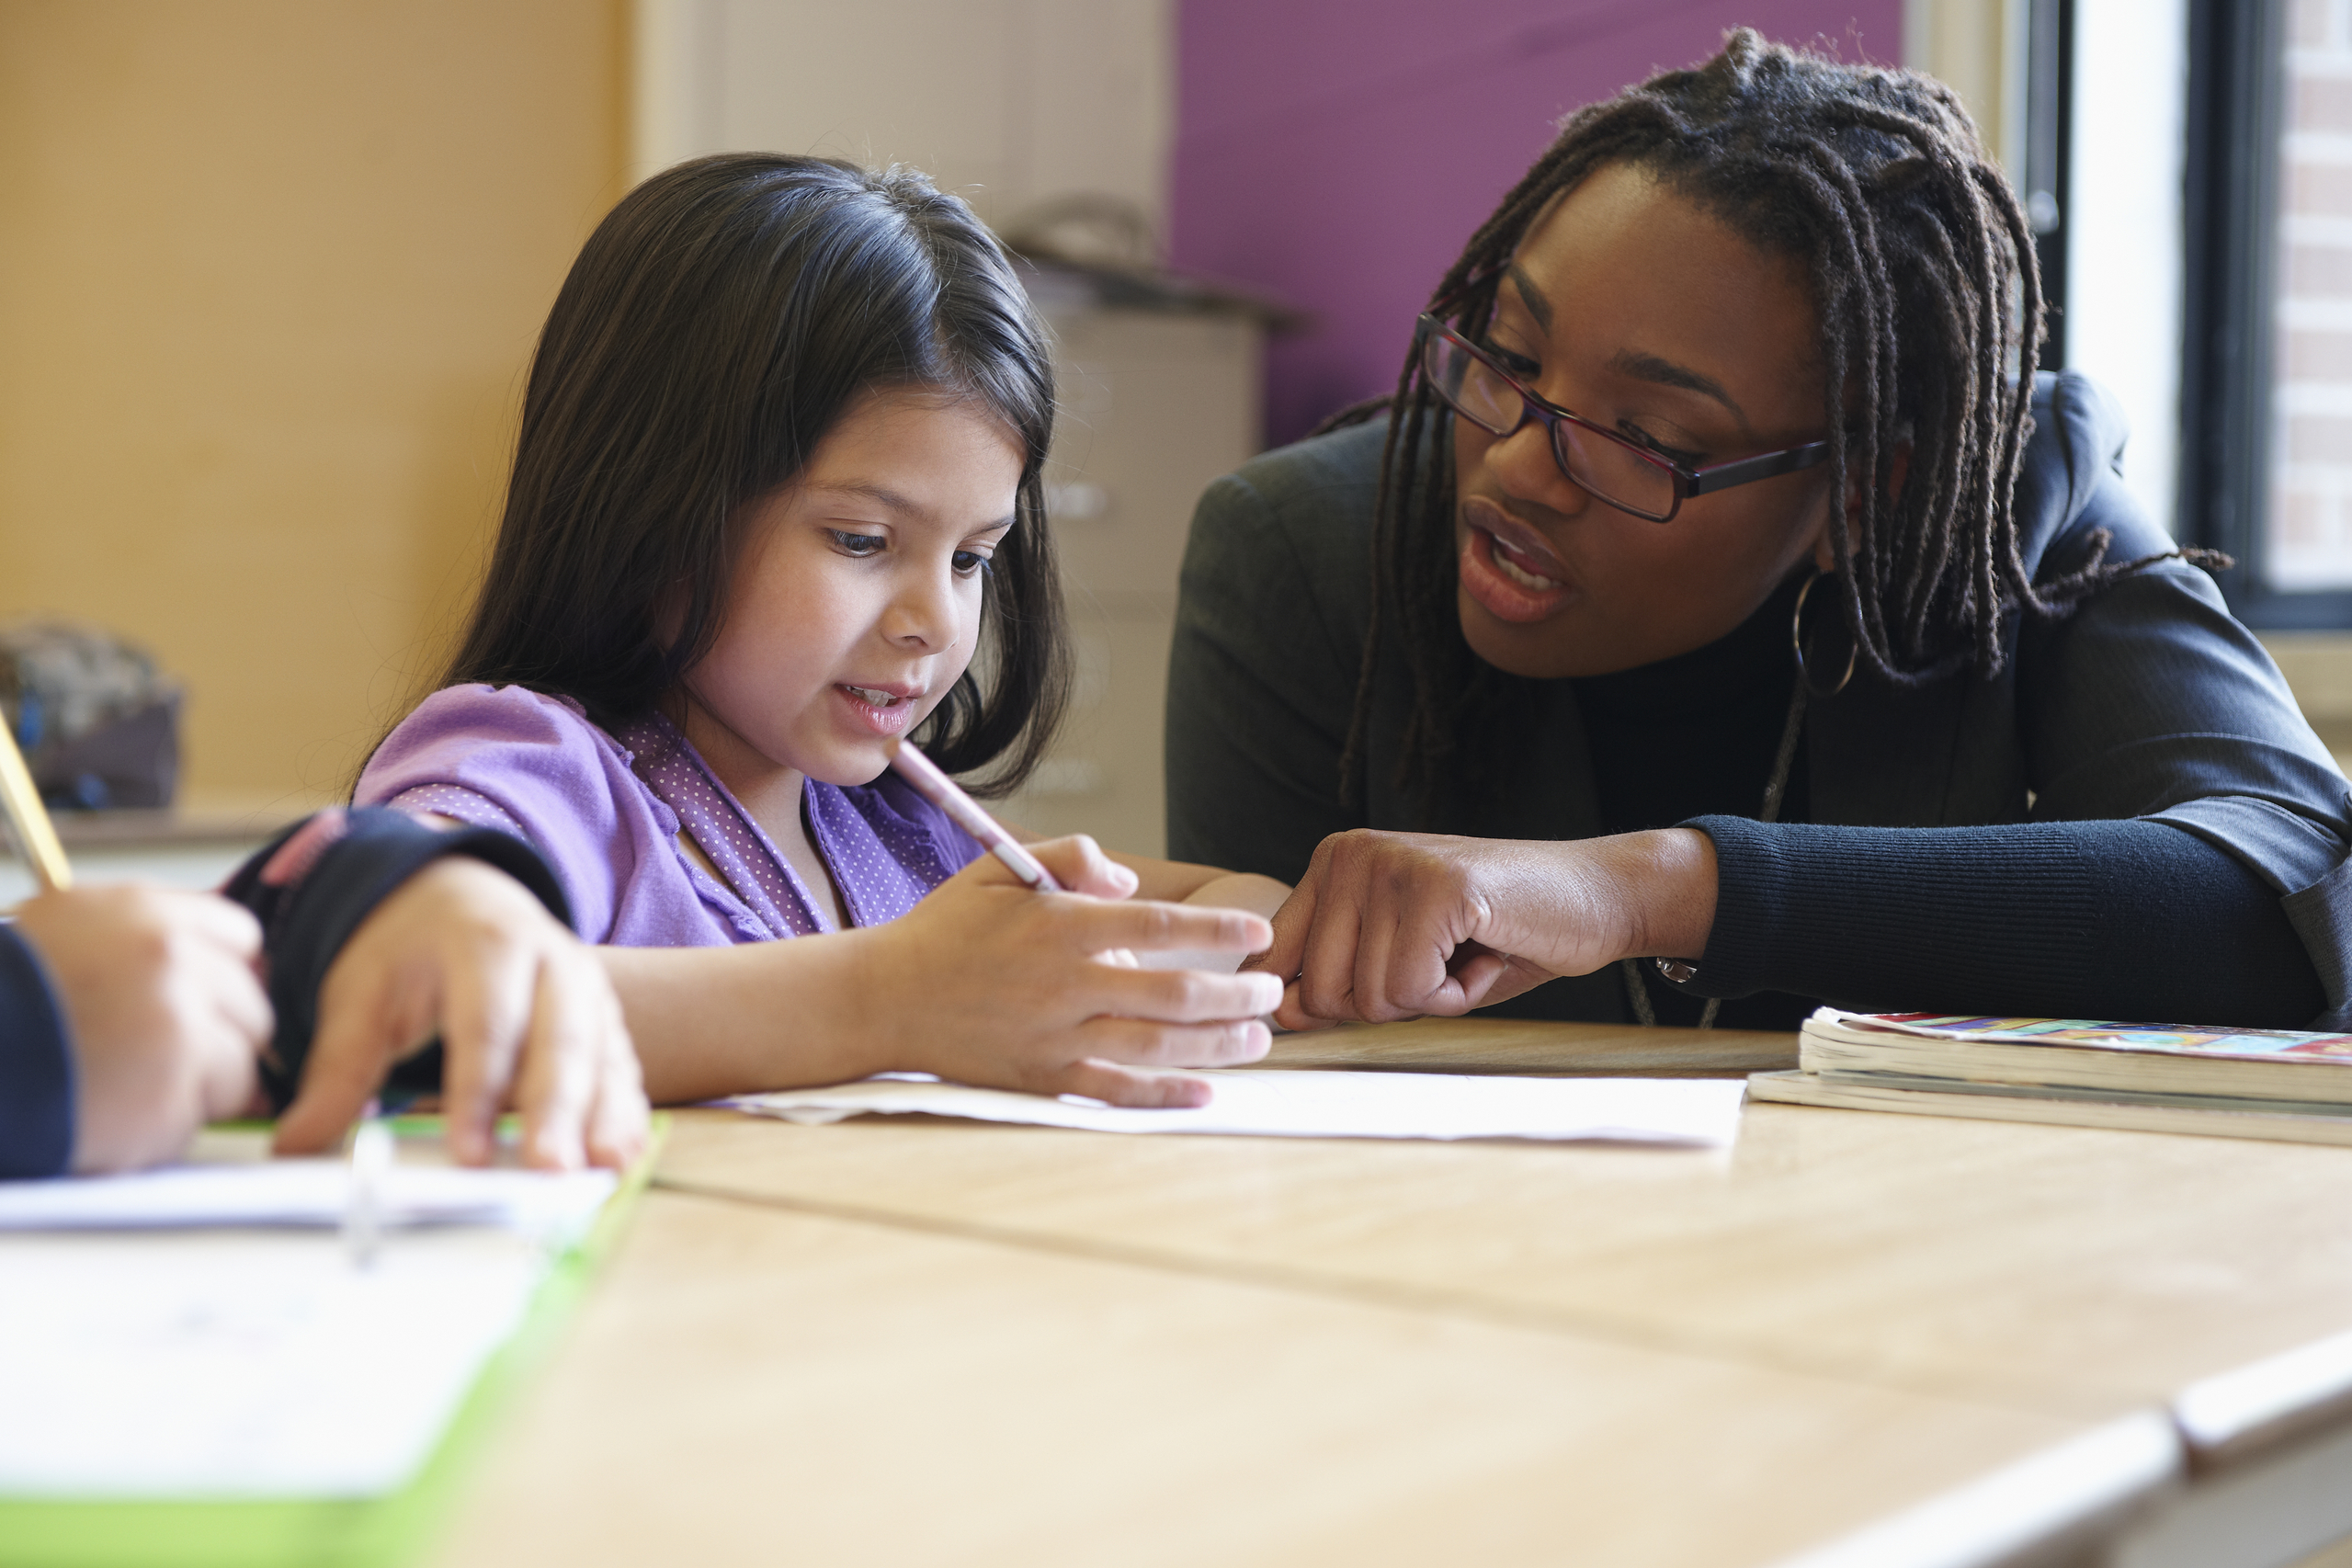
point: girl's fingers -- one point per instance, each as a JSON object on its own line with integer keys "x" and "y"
{"x": 1138, "y": 1043}
{"x": 1115, "y": 1084}
{"x": 1079, "y": 864}
{"x": 1178, "y": 995}
{"x": 1091, "y": 926}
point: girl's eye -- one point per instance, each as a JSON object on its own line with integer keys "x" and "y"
{"x": 969, "y": 563}
{"x": 857, "y": 545}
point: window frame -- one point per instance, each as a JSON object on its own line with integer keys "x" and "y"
{"x": 2230, "y": 286}
{"x": 2049, "y": 159}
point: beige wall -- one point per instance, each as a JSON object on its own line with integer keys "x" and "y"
{"x": 1009, "y": 102}
{"x": 1979, "y": 47}
{"x": 270, "y": 275}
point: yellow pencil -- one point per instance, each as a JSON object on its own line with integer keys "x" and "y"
{"x": 28, "y": 819}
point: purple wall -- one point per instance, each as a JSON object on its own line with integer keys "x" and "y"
{"x": 1338, "y": 153}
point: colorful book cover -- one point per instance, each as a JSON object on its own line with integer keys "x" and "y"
{"x": 2171, "y": 1039}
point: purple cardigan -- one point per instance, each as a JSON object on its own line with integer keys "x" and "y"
{"x": 605, "y": 812}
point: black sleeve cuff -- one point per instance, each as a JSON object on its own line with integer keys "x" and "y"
{"x": 2119, "y": 920}
{"x": 313, "y": 886}
{"x": 35, "y": 1068}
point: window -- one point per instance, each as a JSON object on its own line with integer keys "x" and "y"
{"x": 2267, "y": 454}
{"x": 2107, "y": 85}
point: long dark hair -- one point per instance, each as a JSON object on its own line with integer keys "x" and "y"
{"x": 717, "y": 323}
{"x": 1921, "y": 273}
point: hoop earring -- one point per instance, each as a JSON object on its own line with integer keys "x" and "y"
{"x": 1797, "y": 642}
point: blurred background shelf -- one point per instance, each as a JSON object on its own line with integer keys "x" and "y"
{"x": 180, "y": 849}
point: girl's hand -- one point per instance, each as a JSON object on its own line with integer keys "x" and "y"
{"x": 987, "y": 982}
{"x": 162, "y": 1011}
{"x": 523, "y": 1012}
{"x": 1388, "y": 926}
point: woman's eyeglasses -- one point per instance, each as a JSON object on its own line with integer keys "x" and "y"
{"x": 1629, "y": 476}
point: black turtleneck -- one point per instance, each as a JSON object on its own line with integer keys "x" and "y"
{"x": 1696, "y": 737}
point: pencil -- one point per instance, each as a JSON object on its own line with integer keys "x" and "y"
{"x": 28, "y": 819}
{"x": 945, "y": 793}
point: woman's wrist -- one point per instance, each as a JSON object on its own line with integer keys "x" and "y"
{"x": 1669, "y": 875}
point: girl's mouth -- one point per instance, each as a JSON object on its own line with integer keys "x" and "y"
{"x": 1507, "y": 581}
{"x": 880, "y": 710}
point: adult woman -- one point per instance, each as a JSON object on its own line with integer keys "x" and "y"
{"x": 2019, "y": 758}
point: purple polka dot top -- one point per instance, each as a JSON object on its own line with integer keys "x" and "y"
{"x": 606, "y": 812}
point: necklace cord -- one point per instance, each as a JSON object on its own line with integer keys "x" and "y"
{"x": 1637, "y": 989}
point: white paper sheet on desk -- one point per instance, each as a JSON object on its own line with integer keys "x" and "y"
{"x": 305, "y": 1192}
{"x": 242, "y": 1364}
{"x": 1283, "y": 1103}
{"x": 194, "y": 1333}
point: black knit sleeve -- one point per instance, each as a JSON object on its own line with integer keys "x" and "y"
{"x": 313, "y": 886}
{"x": 35, "y": 1068}
{"x": 2138, "y": 920}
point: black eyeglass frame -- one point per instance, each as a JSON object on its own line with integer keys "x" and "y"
{"x": 1686, "y": 481}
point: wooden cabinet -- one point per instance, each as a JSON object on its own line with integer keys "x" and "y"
{"x": 1155, "y": 405}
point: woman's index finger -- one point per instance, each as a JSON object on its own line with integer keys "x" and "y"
{"x": 1292, "y": 923}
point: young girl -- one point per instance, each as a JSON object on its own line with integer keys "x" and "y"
{"x": 1818, "y": 654}
{"x": 776, "y": 505}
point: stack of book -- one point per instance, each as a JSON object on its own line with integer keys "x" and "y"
{"x": 2153, "y": 1077}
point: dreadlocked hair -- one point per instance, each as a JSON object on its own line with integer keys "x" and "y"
{"x": 1922, "y": 276}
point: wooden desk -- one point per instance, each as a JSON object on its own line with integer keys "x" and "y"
{"x": 2078, "y": 1272}
{"x": 2081, "y": 1280}
{"x": 747, "y": 1385}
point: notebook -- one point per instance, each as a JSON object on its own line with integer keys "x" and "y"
{"x": 198, "y": 1370}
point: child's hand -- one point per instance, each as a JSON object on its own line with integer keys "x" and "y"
{"x": 987, "y": 982}
{"x": 162, "y": 1008}
{"x": 524, "y": 1011}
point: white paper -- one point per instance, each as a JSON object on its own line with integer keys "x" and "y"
{"x": 242, "y": 1364}
{"x": 203, "y": 1332}
{"x": 1283, "y": 1103}
{"x": 306, "y": 1192}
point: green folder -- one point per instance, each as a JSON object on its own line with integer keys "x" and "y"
{"x": 373, "y": 1532}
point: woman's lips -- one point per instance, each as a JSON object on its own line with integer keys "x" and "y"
{"x": 1509, "y": 582}
{"x": 879, "y": 709}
